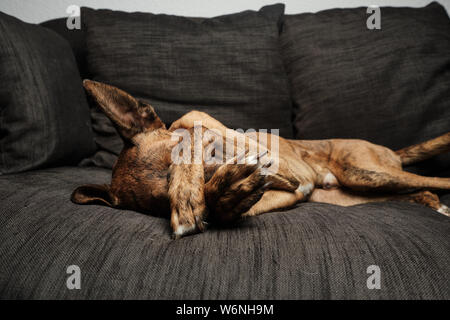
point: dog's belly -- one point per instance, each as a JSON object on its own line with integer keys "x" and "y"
{"x": 335, "y": 196}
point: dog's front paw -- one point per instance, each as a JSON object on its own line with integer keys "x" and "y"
{"x": 443, "y": 209}
{"x": 187, "y": 218}
{"x": 187, "y": 199}
{"x": 235, "y": 188}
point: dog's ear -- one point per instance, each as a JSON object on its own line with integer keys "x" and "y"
{"x": 129, "y": 115}
{"x": 92, "y": 194}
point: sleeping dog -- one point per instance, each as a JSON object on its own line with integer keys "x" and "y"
{"x": 146, "y": 177}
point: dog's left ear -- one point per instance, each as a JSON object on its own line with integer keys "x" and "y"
{"x": 129, "y": 115}
{"x": 92, "y": 194}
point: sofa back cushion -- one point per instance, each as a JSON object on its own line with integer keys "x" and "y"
{"x": 44, "y": 115}
{"x": 389, "y": 86}
{"x": 228, "y": 66}
{"x": 76, "y": 39}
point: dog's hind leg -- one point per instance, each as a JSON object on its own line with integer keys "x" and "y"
{"x": 386, "y": 179}
{"x": 360, "y": 165}
{"x": 347, "y": 197}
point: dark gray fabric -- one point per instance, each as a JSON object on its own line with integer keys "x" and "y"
{"x": 228, "y": 66}
{"x": 388, "y": 86}
{"x": 446, "y": 199}
{"x": 44, "y": 116}
{"x": 76, "y": 39}
{"x": 106, "y": 138}
{"x": 314, "y": 251}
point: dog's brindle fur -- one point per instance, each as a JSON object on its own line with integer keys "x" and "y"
{"x": 336, "y": 171}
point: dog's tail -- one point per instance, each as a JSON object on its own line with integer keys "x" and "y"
{"x": 425, "y": 150}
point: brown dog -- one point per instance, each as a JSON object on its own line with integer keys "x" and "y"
{"x": 341, "y": 172}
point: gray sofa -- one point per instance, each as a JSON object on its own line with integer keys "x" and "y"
{"x": 312, "y": 251}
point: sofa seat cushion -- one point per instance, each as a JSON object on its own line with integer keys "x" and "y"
{"x": 313, "y": 251}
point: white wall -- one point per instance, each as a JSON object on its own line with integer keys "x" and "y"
{"x": 41, "y": 10}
